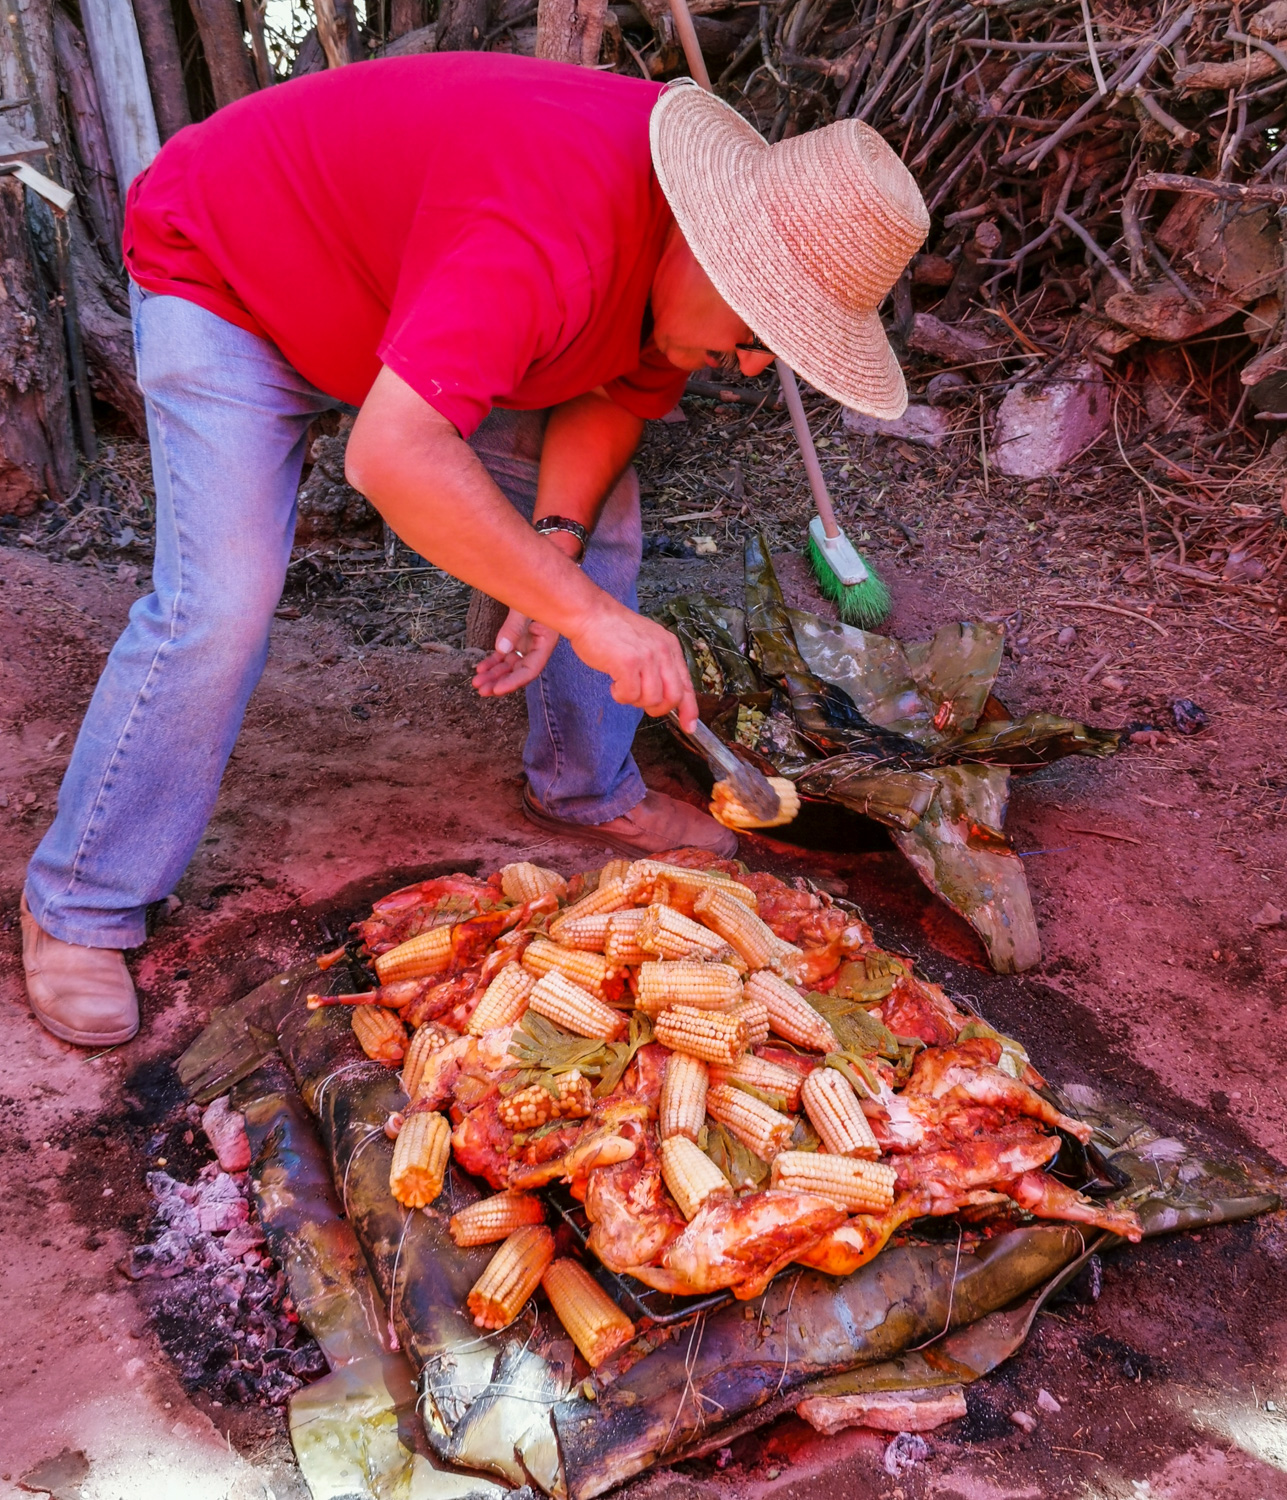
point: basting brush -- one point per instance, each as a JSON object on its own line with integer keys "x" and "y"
{"x": 844, "y": 575}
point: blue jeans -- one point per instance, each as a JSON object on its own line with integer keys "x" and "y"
{"x": 227, "y": 421}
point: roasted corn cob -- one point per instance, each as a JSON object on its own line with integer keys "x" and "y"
{"x": 726, "y": 809}
{"x": 525, "y": 882}
{"x": 667, "y": 933}
{"x": 511, "y": 1277}
{"x": 692, "y": 1177}
{"x": 615, "y": 869}
{"x": 708, "y": 1034}
{"x": 621, "y": 946}
{"x": 758, "y": 1126}
{"x": 682, "y": 1110}
{"x": 504, "y": 1000}
{"x": 756, "y": 1016}
{"x": 586, "y": 933}
{"x": 420, "y": 1156}
{"x": 430, "y": 953}
{"x": 834, "y": 1112}
{"x": 862, "y": 1187}
{"x": 569, "y": 1006}
{"x": 495, "y": 1218}
{"x": 766, "y": 1077}
{"x": 610, "y": 896}
{"x": 426, "y": 1040}
{"x": 755, "y": 940}
{"x": 534, "y": 1106}
{"x": 687, "y": 982}
{"x": 790, "y": 1015}
{"x": 650, "y": 880}
{"x": 595, "y": 1324}
{"x": 589, "y": 970}
{"x": 381, "y": 1035}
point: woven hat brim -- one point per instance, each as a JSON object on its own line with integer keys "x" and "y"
{"x": 710, "y": 164}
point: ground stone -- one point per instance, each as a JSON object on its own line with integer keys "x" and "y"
{"x": 918, "y": 424}
{"x": 1044, "y": 423}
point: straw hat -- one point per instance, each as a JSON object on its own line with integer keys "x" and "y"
{"x": 802, "y": 239}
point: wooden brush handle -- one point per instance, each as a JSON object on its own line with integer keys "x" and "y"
{"x": 821, "y": 499}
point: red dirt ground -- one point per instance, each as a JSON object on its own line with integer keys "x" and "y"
{"x": 1155, "y": 983}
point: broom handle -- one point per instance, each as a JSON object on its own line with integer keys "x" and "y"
{"x": 821, "y": 499}
{"x": 683, "y": 20}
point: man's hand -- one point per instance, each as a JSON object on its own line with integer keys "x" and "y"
{"x": 523, "y": 647}
{"x": 646, "y": 663}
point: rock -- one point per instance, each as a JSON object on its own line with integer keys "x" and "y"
{"x": 953, "y": 343}
{"x": 1044, "y": 423}
{"x": 886, "y": 1411}
{"x": 328, "y": 505}
{"x": 1165, "y": 313}
{"x": 226, "y": 1131}
{"x": 219, "y": 1218}
{"x": 1024, "y": 1420}
{"x": 1046, "y": 1402}
{"x": 918, "y": 424}
{"x": 1066, "y": 636}
{"x": 1269, "y": 916}
{"x": 1112, "y": 683}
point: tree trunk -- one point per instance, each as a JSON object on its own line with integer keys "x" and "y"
{"x": 76, "y": 79}
{"x": 337, "y": 30}
{"x": 231, "y": 72}
{"x": 164, "y": 63}
{"x": 37, "y": 452}
{"x": 405, "y": 16}
{"x": 570, "y": 30}
{"x": 484, "y": 620}
{"x": 462, "y": 25}
{"x": 123, "y": 93}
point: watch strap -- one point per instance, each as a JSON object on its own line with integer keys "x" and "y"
{"x": 564, "y": 523}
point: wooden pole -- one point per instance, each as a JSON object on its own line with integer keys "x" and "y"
{"x": 462, "y": 24}
{"x": 164, "y": 64}
{"x": 337, "y": 30}
{"x": 76, "y": 77}
{"x": 231, "y": 72}
{"x": 570, "y": 30}
{"x": 117, "y": 58}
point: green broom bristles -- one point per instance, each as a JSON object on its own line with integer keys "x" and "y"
{"x": 862, "y": 604}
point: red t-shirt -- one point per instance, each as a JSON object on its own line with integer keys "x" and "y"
{"x": 486, "y": 226}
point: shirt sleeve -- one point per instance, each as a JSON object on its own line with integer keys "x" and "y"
{"x": 466, "y": 331}
{"x": 651, "y": 390}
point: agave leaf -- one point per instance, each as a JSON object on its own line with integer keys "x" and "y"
{"x": 860, "y": 1074}
{"x": 619, "y": 1055}
{"x": 855, "y": 1028}
{"x": 765, "y": 1096}
{"x": 702, "y": 622}
{"x": 897, "y": 798}
{"x": 742, "y": 1167}
{"x": 872, "y": 669}
{"x": 986, "y": 885}
{"x": 540, "y": 1044}
{"x": 1035, "y": 740}
{"x": 956, "y": 669}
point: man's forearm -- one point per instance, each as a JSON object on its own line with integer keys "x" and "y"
{"x": 459, "y": 519}
{"x": 588, "y": 443}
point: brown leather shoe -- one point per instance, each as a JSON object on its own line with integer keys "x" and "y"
{"x": 82, "y": 995}
{"x": 659, "y": 822}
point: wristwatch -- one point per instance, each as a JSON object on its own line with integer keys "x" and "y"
{"x": 564, "y": 523}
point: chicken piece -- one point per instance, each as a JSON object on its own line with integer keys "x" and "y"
{"x": 441, "y": 998}
{"x": 862, "y": 1237}
{"x": 483, "y": 1058}
{"x": 414, "y": 909}
{"x": 917, "y": 1122}
{"x": 976, "y": 1164}
{"x": 643, "y": 1078}
{"x": 1048, "y": 1198}
{"x": 482, "y": 1145}
{"x": 826, "y": 934}
{"x": 966, "y": 1071}
{"x": 632, "y": 1215}
{"x": 743, "y": 1243}
{"x": 611, "y": 1134}
{"x": 688, "y": 858}
{"x": 915, "y": 1008}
